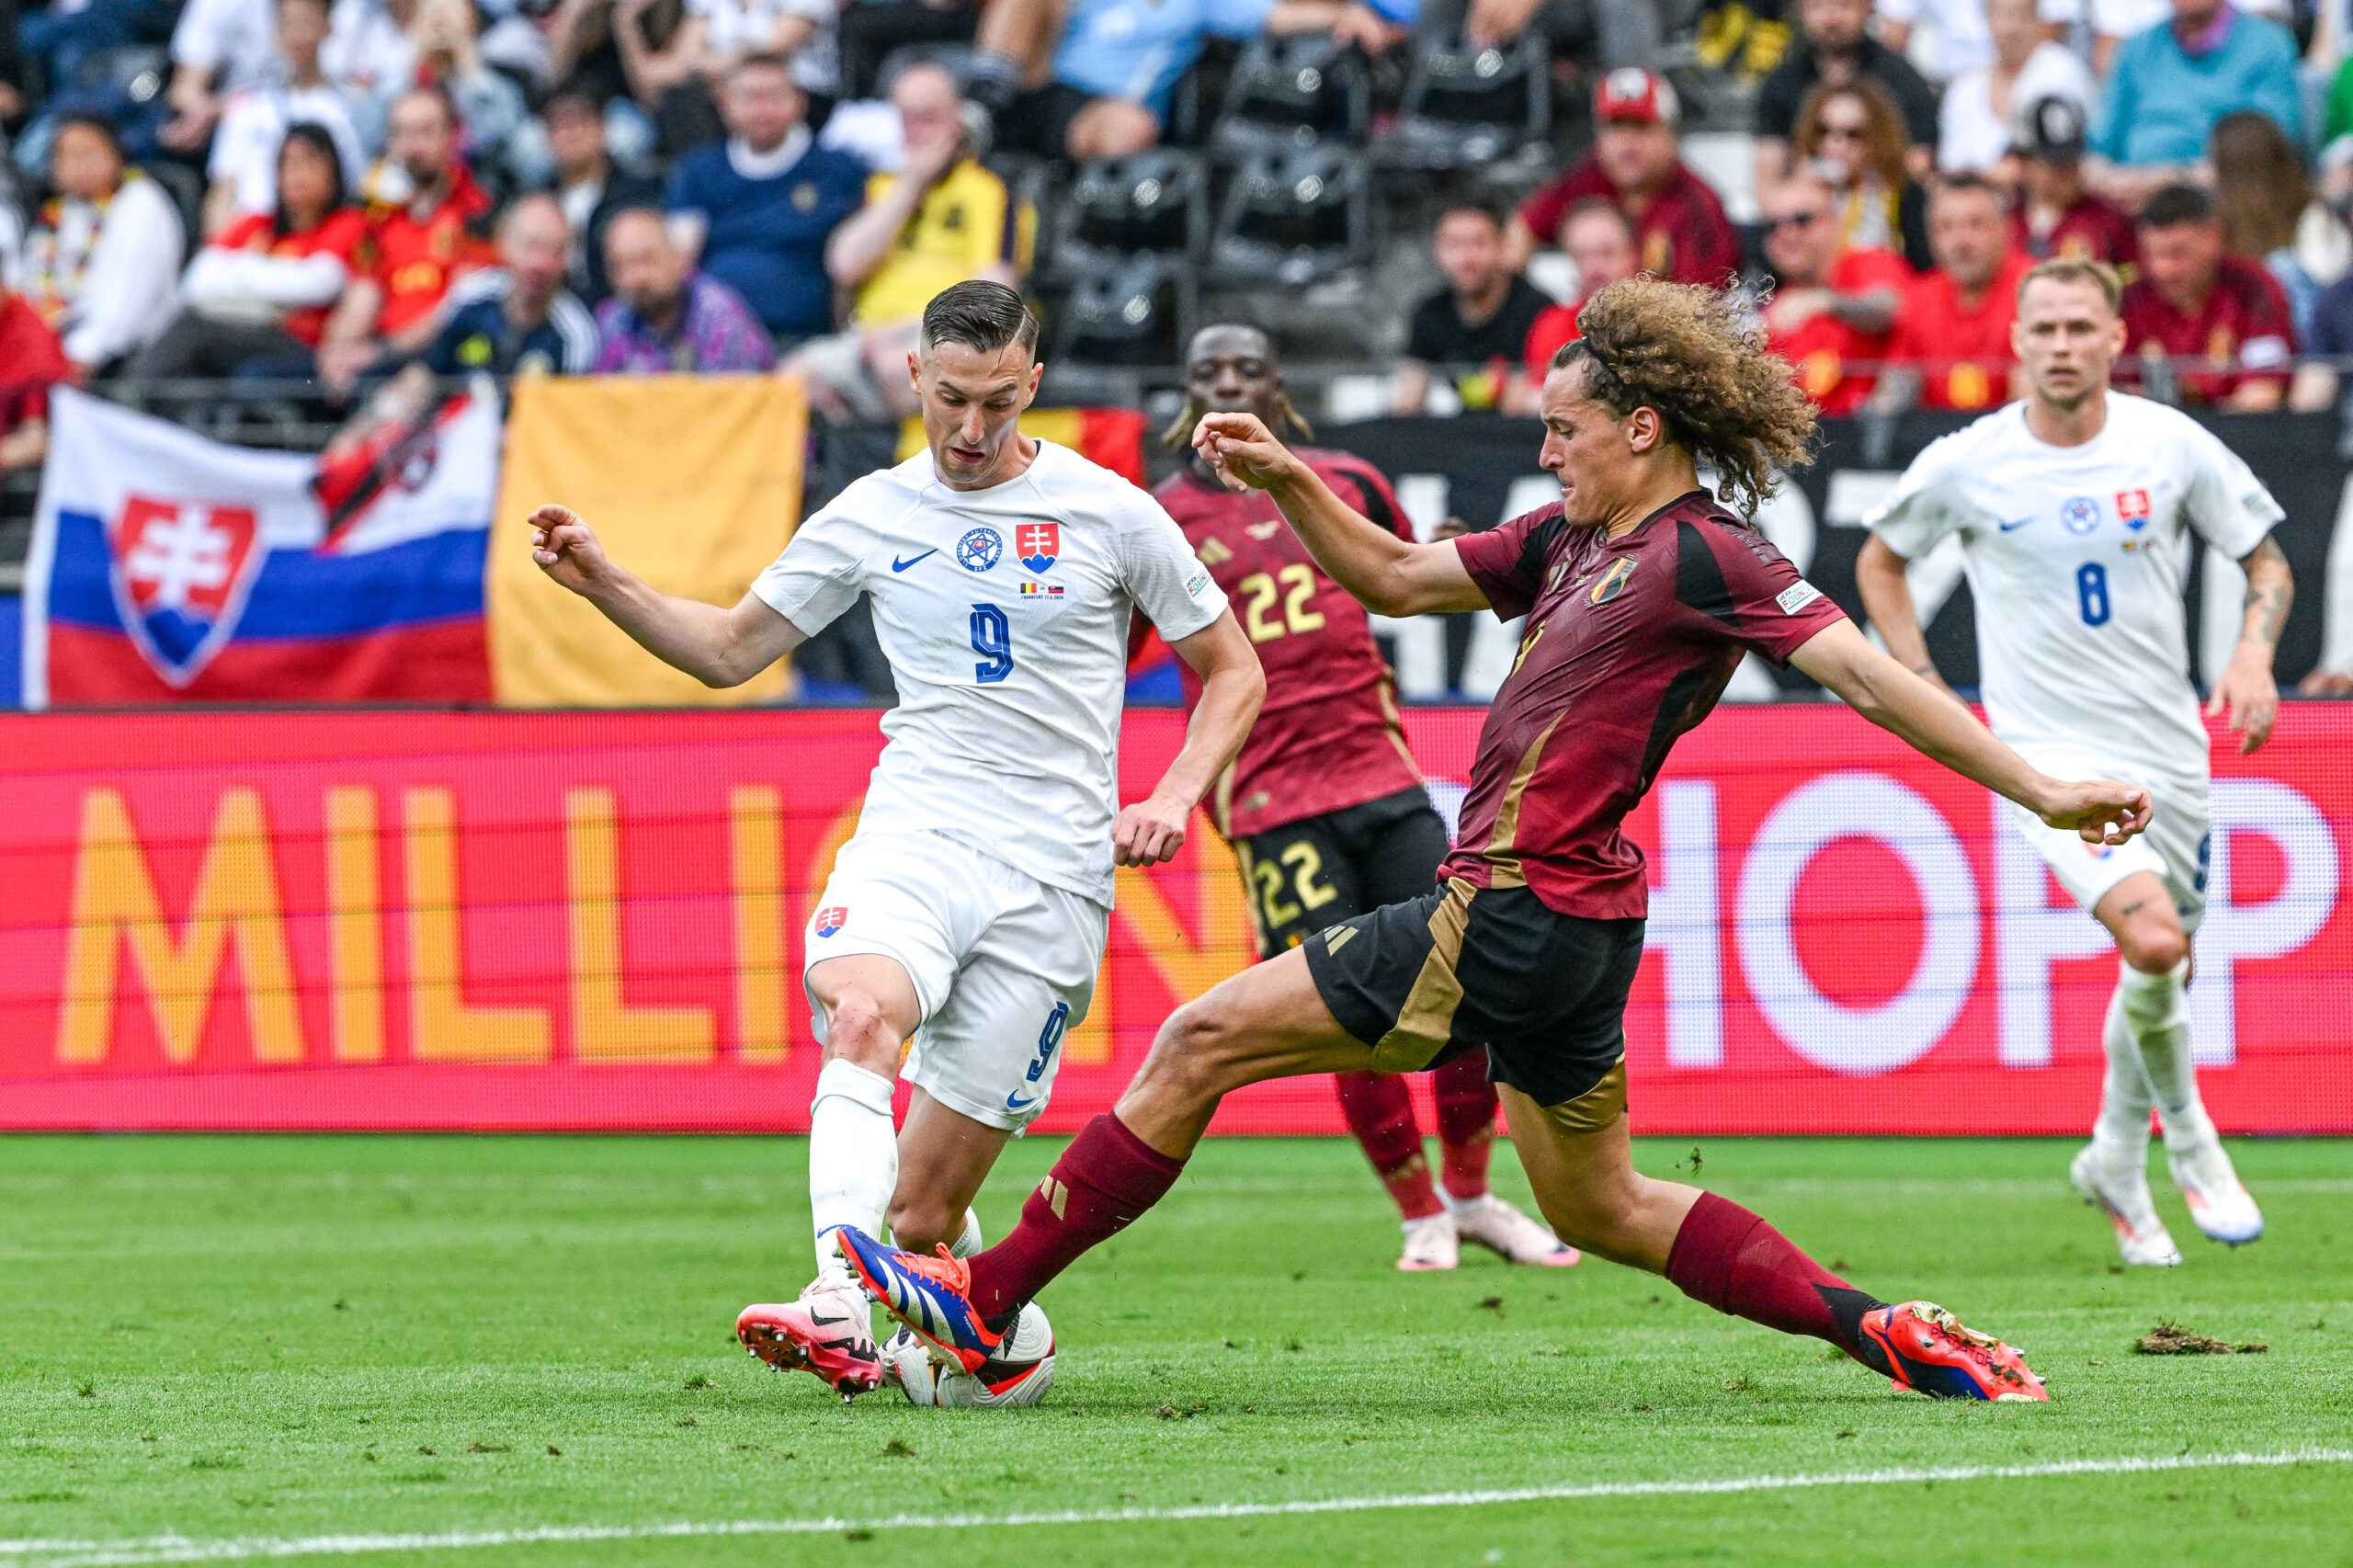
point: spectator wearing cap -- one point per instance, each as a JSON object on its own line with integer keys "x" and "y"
{"x": 1474, "y": 329}
{"x": 2214, "y": 327}
{"x": 944, "y": 218}
{"x": 31, "y": 361}
{"x": 243, "y": 165}
{"x": 428, "y": 228}
{"x": 1084, "y": 79}
{"x": 258, "y": 293}
{"x": 2055, "y": 212}
{"x": 666, "y": 318}
{"x": 1681, "y": 232}
{"x": 1983, "y": 103}
{"x": 1600, "y": 244}
{"x": 1827, "y": 308}
{"x": 588, "y": 188}
{"x": 2172, "y": 83}
{"x": 1835, "y": 47}
{"x": 1967, "y": 38}
{"x": 756, "y": 210}
{"x": 1851, "y": 138}
{"x": 1952, "y": 346}
{"x": 101, "y": 265}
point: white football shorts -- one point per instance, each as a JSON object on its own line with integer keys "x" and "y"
{"x": 2173, "y": 845}
{"x": 1003, "y": 965}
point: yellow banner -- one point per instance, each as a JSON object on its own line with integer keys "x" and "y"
{"x": 693, "y": 482}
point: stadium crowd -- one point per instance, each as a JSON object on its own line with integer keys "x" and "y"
{"x": 361, "y": 193}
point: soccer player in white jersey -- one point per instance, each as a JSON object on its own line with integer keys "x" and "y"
{"x": 2076, "y": 508}
{"x": 969, "y": 910}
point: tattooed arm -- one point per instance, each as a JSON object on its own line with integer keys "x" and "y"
{"x": 2246, "y": 691}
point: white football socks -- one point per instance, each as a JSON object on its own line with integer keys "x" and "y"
{"x": 853, "y": 1159}
{"x": 2121, "y": 1133}
{"x": 968, "y": 1241}
{"x": 2156, "y": 1009}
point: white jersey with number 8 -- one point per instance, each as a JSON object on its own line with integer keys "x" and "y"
{"x": 1004, "y": 614}
{"x": 2077, "y": 558}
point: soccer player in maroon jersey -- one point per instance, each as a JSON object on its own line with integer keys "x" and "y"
{"x": 1641, "y": 594}
{"x": 1324, "y": 807}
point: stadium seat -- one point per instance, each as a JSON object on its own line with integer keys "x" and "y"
{"x": 1468, "y": 108}
{"x": 1294, "y": 92}
{"x": 1138, "y": 311}
{"x": 1154, "y": 203}
{"x": 1294, "y": 218}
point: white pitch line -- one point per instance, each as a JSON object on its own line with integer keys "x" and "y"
{"x": 180, "y": 1549}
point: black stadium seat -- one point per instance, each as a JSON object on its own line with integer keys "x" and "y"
{"x": 1294, "y": 219}
{"x": 1297, "y": 91}
{"x": 1466, "y": 108}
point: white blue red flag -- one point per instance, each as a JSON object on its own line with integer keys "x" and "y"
{"x": 165, "y": 566}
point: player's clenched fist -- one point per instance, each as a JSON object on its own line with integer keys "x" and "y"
{"x": 2101, "y": 809}
{"x": 1244, "y": 453}
{"x": 1149, "y": 832}
{"x": 565, "y": 548}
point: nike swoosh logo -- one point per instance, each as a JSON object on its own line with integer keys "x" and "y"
{"x": 814, "y": 1318}
{"x": 1015, "y": 1102}
{"x": 899, "y": 565}
{"x": 2009, "y": 528}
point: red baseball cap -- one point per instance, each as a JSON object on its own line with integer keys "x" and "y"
{"x": 1633, "y": 93}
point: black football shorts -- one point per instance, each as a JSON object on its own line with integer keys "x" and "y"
{"x": 1424, "y": 981}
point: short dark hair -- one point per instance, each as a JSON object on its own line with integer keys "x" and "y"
{"x": 1601, "y": 206}
{"x": 574, "y": 94}
{"x": 1474, "y": 209}
{"x": 979, "y": 314}
{"x": 762, "y": 60}
{"x": 1970, "y": 180}
{"x": 97, "y": 124}
{"x": 2175, "y": 205}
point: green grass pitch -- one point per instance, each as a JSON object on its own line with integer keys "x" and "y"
{"x": 261, "y": 1340}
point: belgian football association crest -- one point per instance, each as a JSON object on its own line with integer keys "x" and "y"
{"x": 831, "y": 918}
{"x": 1039, "y": 545}
{"x": 180, "y": 572}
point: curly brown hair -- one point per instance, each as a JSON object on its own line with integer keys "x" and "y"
{"x": 1683, "y": 351}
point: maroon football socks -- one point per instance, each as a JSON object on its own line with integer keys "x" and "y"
{"x": 1466, "y": 1124}
{"x": 1105, "y": 1179}
{"x": 1379, "y": 1111}
{"x": 1736, "y": 1263}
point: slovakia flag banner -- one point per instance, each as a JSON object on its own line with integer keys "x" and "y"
{"x": 168, "y": 567}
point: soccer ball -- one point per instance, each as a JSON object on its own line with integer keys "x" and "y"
{"x": 1020, "y": 1373}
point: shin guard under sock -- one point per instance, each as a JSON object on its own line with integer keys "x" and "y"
{"x": 1734, "y": 1261}
{"x": 1104, "y": 1181}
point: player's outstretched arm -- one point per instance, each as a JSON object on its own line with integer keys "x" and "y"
{"x": 718, "y": 647}
{"x": 1931, "y": 723}
{"x": 1232, "y": 686}
{"x": 2247, "y": 690}
{"x": 1387, "y": 575}
{"x": 1887, "y": 599}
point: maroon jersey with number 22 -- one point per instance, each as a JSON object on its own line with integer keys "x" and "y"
{"x": 1628, "y": 644}
{"x": 1328, "y": 736}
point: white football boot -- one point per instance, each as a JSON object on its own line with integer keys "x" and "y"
{"x": 2122, "y": 1194}
{"x": 828, "y": 1331}
{"x": 2218, "y": 1202}
{"x": 1430, "y": 1244}
{"x": 1508, "y": 1233}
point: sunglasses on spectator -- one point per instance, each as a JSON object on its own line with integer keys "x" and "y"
{"x": 1829, "y": 129}
{"x": 1794, "y": 221}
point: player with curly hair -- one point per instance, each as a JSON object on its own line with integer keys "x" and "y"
{"x": 1640, "y": 595}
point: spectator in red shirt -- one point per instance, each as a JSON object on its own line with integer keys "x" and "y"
{"x": 32, "y": 360}
{"x": 260, "y": 292}
{"x": 1600, "y": 241}
{"x": 2193, "y": 303}
{"x": 1636, "y": 162}
{"x": 412, "y": 250}
{"x": 1951, "y": 344}
{"x": 1831, "y": 308}
{"x": 2055, "y": 212}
